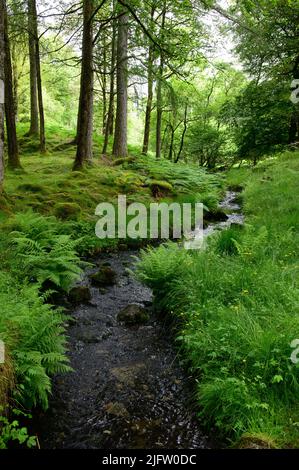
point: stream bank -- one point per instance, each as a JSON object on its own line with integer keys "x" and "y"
{"x": 128, "y": 389}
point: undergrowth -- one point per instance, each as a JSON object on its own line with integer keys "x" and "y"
{"x": 237, "y": 305}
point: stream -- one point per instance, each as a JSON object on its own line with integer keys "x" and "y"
{"x": 128, "y": 389}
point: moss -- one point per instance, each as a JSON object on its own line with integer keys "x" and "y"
{"x": 256, "y": 441}
{"x": 67, "y": 210}
{"x": 122, "y": 161}
{"x": 160, "y": 188}
{"x": 79, "y": 295}
{"x": 33, "y": 188}
{"x": 106, "y": 276}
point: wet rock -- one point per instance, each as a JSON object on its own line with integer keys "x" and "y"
{"x": 117, "y": 409}
{"x": 215, "y": 216}
{"x": 122, "y": 247}
{"x": 133, "y": 315}
{"x": 106, "y": 276}
{"x": 89, "y": 337}
{"x": 127, "y": 374}
{"x": 79, "y": 295}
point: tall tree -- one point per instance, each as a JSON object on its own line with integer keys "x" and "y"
{"x": 85, "y": 112}
{"x": 12, "y": 141}
{"x": 159, "y": 88}
{"x": 2, "y": 54}
{"x": 120, "y": 145}
{"x": 150, "y": 92}
{"x": 32, "y": 32}
{"x": 110, "y": 114}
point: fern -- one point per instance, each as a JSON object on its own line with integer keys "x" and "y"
{"x": 41, "y": 253}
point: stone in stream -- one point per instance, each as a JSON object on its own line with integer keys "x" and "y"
{"x": 79, "y": 295}
{"x": 215, "y": 216}
{"x": 106, "y": 276}
{"x": 117, "y": 409}
{"x": 133, "y": 314}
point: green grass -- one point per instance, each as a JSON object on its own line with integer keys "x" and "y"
{"x": 237, "y": 306}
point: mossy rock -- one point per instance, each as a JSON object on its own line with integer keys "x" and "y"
{"x": 256, "y": 441}
{"x": 106, "y": 276}
{"x": 79, "y": 295}
{"x": 133, "y": 314}
{"x": 160, "y": 188}
{"x": 67, "y": 210}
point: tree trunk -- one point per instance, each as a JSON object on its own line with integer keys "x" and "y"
{"x": 104, "y": 86}
{"x": 110, "y": 115}
{"x": 183, "y": 134}
{"x": 150, "y": 84}
{"x": 120, "y": 134}
{"x": 149, "y": 104}
{"x": 12, "y": 141}
{"x": 172, "y": 133}
{"x": 2, "y": 54}
{"x": 159, "y": 90}
{"x": 32, "y": 33}
{"x": 42, "y": 135}
{"x": 15, "y": 78}
{"x": 85, "y": 112}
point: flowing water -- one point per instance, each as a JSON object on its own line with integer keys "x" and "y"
{"x": 128, "y": 389}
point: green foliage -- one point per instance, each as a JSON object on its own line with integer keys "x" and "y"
{"x": 40, "y": 253}
{"x": 182, "y": 178}
{"x": 33, "y": 332}
{"x": 260, "y": 118}
{"x": 237, "y": 304}
{"x": 11, "y": 431}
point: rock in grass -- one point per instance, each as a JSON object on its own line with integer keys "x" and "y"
{"x": 79, "y": 295}
{"x": 133, "y": 315}
{"x": 258, "y": 441}
{"x": 106, "y": 276}
{"x": 67, "y": 210}
{"x": 160, "y": 188}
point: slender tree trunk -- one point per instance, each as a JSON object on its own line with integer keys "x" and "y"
{"x": 34, "y": 127}
{"x": 120, "y": 134}
{"x": 104, "y": 86}
{"x": 149, "y": 104}
{"x": 85, "y": 112}
{"x": 42, "y": 135}
{"x": 15, "y": 78}
{"x": 110, "y": 115}
{"x": 150, "y": 84}
{"x": 2, "y": 54}
{"x": 172, "y": 133}
{"x": 183, "y": 134}
{"x": 12, "y": 141}
{"x": 159, "y": 90}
